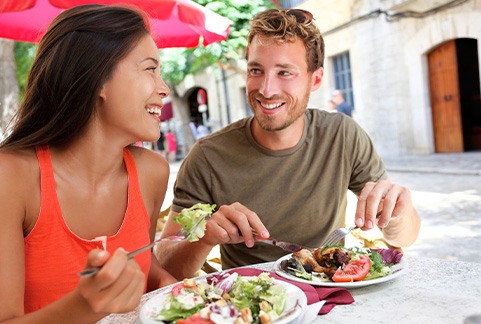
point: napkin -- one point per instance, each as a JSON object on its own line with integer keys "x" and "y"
{"x": 332, "y": 296}
{"x": 310, "y": 314}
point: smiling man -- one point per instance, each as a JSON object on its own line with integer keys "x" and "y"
{"x": 285, "y": 171}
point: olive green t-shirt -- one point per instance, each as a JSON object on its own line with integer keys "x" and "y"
{"x": 300, "y": 194}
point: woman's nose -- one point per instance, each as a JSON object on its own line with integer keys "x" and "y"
{"x": 162, "y": 88}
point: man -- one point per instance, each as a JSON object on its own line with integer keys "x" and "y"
{"x": 341, "y": 105}
{"x": 285, "y": 171}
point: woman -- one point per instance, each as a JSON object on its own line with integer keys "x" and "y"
{"x": 74, "y": 193}
{"x": 172, "y": 145}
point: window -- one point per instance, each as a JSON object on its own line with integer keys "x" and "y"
{"x": 247, "y": 109}
{"x": 342, "y": 76}
{"x": 287, "y": 4}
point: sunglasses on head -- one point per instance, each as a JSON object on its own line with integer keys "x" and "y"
{"x": 302, "y": 16}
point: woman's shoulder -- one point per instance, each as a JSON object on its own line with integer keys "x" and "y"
{"x": 153, "y": 175}
{"x": 149, "y": 161}
{"x": 20, "y": 174}
{"x": 18, "y": 163}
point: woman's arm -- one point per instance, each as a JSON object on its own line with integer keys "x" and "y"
{"x": 154, "y": 173}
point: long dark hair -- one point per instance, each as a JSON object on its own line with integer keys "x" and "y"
{"x": 75, "y": 57}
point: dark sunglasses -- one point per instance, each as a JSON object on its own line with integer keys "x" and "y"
{"x": 302, "y": 16}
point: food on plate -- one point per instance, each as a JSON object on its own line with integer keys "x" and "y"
{"x": 224, "y": 298}
{"x": 355, "y": 270}
{"x": 193, "y": 220}
{"x": 341, "y": 264}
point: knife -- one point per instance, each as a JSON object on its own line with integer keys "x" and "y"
{"x": 286, "y": 246}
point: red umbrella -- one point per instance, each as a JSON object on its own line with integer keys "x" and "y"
{"x": 174, "y": 23}
{"x": 7, "y": 6}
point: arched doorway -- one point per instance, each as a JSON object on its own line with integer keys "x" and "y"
{"x": 199, "y": 112}
{"x": 455, "y": 95}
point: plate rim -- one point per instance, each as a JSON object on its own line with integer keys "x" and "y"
{"x": 398, "y": 270}
{"x": 144, "y": 318}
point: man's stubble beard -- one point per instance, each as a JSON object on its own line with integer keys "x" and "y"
{"x": 294, "y": 113}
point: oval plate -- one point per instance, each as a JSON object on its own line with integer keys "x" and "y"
{"x": 153, "y": 306}
{"x": 397, "y": 270}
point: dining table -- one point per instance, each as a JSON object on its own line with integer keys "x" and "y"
{"x": 429, "y": 291}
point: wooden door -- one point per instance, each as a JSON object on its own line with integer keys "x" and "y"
{"x": 445, "y": 101}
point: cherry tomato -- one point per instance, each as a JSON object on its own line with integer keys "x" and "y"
{"x": 177, "y": 288}
{"x": 195, "y": 319}
{"x": 355, "y": 270}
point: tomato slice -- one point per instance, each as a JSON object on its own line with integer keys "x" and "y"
{"x": 355, "y": 270}
{"x": 195, "y": 319}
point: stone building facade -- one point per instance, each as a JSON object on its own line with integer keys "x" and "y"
{"x": 413, "y": 72}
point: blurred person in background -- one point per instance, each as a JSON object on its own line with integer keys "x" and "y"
{"x": 331, "y": 106}
{"x": 342, "y": 106}
{"x": 171, "y": 146}
{"x": 161, "y": 145}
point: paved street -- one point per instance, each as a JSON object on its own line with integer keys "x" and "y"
{"x": 446, "y": 191}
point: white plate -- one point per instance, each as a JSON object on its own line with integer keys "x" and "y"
{"x": 397, "y": 270}
{"x": 153, "y": 306}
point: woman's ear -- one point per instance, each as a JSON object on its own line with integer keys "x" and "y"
{"x": 102, "y": 93}
{"x": 317, "y": 78}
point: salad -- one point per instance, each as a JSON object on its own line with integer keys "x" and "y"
{"x": 193, "y": 220}
{"x": 341, "y": 264}
{"x": 224, "y": 298}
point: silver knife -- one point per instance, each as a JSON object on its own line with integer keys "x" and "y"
{"x": 286, "y": 246}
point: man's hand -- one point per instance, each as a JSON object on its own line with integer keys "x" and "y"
{"x": 233, "y": 224}
{"x": 383, "y": 196}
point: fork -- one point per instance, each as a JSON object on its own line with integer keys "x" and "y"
{"x": 338, "y": 234}
{"x": 178, "y": 237}
{"x": 173, "y": 238}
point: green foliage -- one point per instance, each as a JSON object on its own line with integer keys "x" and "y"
{"x": 24, "y": 55}
{"x": 177, "y": 63}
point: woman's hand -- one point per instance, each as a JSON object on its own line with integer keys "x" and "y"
{"x": 117, "y": 287}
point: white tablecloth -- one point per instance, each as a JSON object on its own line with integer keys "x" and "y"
{"x": 432, "y": 291}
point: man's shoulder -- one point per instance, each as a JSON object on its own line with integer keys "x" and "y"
{"x": 231, "y": 130}
{"x": 330, "y": 124}
{"x": 319, "y": 117}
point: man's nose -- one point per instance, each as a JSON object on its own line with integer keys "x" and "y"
{"x": 269, "y": 86}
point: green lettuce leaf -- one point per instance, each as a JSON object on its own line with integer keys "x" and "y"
{"x": 193, "y": 220}
{"x": 176, "y": 311}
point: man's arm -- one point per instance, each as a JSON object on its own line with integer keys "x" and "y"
{"x": 403, "y": 230}
{"x": 230, "y": 224}
{"x": 181, "y": 259}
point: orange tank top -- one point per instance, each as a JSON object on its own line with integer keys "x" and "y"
{"x": 54, "y": 254}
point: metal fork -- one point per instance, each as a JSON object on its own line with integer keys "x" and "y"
{"x": 174, "y": 238}
{"x": 181, "y": 235}
{"x": 338, "y": 234}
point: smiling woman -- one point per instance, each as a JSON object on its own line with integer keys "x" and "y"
{"x": 136, "y": 82}
{"x": 74, "y": 193}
